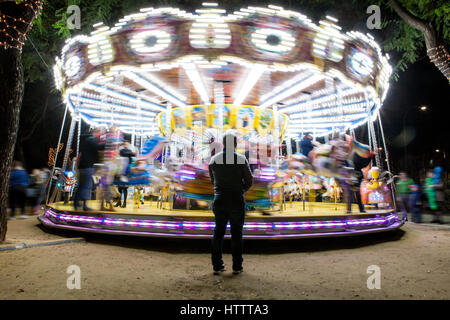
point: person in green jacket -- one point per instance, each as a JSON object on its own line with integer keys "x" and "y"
{"x": 403, "y": 190}
{"x": 433, "y": 187}
{"x": 429, "y": 190}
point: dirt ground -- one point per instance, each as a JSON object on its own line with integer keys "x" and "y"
{"x": 414, "y": 264}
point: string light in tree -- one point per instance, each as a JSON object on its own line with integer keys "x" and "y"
{"x": 441, "y": 58}
{"x": 13, "y": 30}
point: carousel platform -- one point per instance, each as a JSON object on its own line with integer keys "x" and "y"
{"x": 156, "y": 220}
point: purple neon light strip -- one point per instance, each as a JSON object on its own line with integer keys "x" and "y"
{"x": 47, "y": 222}
{"x": 208, "y": 225}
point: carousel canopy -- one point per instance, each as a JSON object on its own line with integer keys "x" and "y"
{"x": 162, "y": 59}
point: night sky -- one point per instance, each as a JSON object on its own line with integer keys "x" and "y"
{"x": 427, "y": 131}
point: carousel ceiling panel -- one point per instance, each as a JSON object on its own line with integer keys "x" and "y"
{"x": 261, "y": 57}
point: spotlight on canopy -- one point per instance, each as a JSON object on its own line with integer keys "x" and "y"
{"x": 161, "y": 62}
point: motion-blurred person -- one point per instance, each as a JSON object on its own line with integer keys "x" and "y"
{"x": 89, "y": 148}
{"x": 230, "y": 174}
{"x": 45, "y": 178}
{"x": 18, "y": 183}
{"x": 435, "y": 195}
{"x": 403, "y": 190}
{"x": 340, "y": 150}
{"x": 113, "y": 140}
{"x": 440, "y": 194}
{"x": 125, "y": 152}
{"x": 358, "y": 163}
{"x": 415, "y": 203}
{"x": 252, "y": 156}
{"x": 34, "y": 190}
{"x": 306, "y": 144}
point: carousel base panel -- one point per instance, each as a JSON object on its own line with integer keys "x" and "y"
{"x": 317, "y": 220}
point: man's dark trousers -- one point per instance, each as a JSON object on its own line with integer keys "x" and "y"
{"x": 84, "y": 186}
{"x": 228, "y": 209}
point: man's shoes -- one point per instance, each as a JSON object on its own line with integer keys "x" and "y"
{"x": 219, "y": 271}
{"x": 124, "y": 205}
{"x": 238, "y": 271}
{"x": 118, "y": 204}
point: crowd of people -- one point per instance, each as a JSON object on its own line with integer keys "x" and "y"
{"x": 411, "y": 196}
{"x": 26, "y": 189}
{"x": 121, "y": 160}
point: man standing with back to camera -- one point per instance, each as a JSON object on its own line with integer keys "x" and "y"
{"x": 230, "y": 174}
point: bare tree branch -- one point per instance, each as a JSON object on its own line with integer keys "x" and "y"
{"x": 426, "y": 28}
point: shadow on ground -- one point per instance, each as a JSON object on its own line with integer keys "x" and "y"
{"x": 250, "y": 246}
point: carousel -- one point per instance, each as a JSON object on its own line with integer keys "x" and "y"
{"x": 173, "y": 82}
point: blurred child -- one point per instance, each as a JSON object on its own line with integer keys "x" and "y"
{"x": 18, "y": 183}
{"x": 415, "y": 203}
{"x": 435, "y": 196}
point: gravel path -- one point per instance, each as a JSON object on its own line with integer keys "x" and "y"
{"x": 414, "y": 263}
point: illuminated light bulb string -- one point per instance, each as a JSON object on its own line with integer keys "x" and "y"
{"x": 441, "y": 58}
{"x": 13, "y": 30}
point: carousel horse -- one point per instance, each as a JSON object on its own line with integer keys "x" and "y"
{"x": 297, "y": 163}
{"x": 292, "y": 189}
{"x": 195, "y": 182}
{"x": 69, "y": 184}
{"x": 333, "y": 189}
{"x": 61, "y": 180}
{"x": 264, "y": 180}
{"x": 325, "y": 165}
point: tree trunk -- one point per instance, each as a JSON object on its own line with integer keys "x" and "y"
{"x": 436, "y": 51}
{"x": 11, "y": 94}
{"x": 11, "y": 88}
